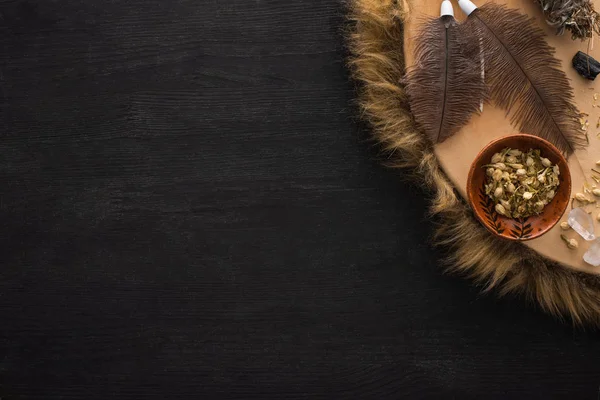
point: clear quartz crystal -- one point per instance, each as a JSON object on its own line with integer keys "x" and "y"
{"x": 582, "y": 223}
{"x": 592, "y": 256}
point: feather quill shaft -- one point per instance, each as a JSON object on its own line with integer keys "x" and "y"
{"x": 444, "y": 85}
{"x": 524, "y": 77}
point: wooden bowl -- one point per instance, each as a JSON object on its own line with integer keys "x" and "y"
{"x": 522, "y": 228}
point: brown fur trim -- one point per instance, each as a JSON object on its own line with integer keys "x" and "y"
{"x": 376, "y": 41}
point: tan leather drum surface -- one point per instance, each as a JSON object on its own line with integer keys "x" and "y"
{"x": 457, "y": 153}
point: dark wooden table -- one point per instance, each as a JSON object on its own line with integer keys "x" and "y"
{"x": 190, "y": 209}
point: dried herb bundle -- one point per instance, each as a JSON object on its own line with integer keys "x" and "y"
{"x": 578, "y": 16}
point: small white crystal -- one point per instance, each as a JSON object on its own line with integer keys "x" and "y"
{"x": 582, "y": 223}
{"x": 592, "y": 256}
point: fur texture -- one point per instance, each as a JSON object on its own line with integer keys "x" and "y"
{"x": 445, "y": 86}
{"x": 376, "y": 40}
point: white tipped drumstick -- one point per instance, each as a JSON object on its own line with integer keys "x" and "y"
{"x": 447, "y": 8}
{"x": 467, "y": 6}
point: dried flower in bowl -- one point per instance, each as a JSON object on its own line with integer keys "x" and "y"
{"x": 517, "y": 161}
{"x": 521, "y": 183}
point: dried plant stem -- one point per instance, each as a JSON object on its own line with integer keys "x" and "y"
{"x": 577, "y": 16}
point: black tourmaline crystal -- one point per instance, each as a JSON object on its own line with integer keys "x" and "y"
{"x": 586, "y": 66}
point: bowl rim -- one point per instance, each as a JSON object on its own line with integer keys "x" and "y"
{"x": 471, "y": 193}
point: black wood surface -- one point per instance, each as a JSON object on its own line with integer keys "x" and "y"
{"x": 190, "y": 210}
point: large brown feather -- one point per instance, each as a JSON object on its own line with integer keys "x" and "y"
{"x": 525, "y": 78}
{"x": 444, "y": 85}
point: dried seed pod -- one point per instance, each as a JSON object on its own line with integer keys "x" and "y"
{"x": 496, "y": 158}
{"x": 521, "y": 172}
{"x": 498, "y": 192}
{"x": 489, "y": 171}
{"x": 556, "y": 170}
{"x": 596, "y": 192}
{"x": 500, "y": 209}
{"x": 529, "y": 161}
{"x": 511, "y": 188}
{"x": 546, "y": 163}
{"x": 527, "y": 195}
{"x": 565, "y": 225}
{"x": 497, "y": 175}
{"x": 515, "y": 152}
{"x": 571, "y": 243}
{"x": 541, "y": 178}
